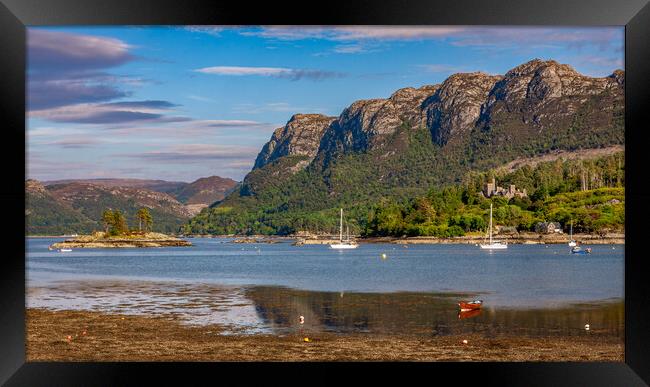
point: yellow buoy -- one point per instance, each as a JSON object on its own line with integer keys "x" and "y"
{"x": 306, "y": 340}
{"x": 383, "y": 256}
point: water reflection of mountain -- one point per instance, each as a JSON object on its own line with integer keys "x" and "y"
{"x": 424, "y": 314}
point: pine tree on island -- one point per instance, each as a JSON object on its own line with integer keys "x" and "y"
{"x": 144, "y": 219}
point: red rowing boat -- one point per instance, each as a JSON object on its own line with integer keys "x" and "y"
{"x": 470, "y": 305}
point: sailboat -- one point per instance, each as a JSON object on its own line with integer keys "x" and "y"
{"x": 493, "y": 245}
{"x": 344, "y": 244}
{"x": 572, "y": 242}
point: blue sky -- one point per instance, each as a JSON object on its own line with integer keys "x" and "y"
{"x": 183, "y": 102}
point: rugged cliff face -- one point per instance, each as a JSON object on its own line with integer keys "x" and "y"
{"x": 545, "y": 93}
{"x": 544, "y": 104}
{"x": 454, "y": 109}
{"x": 370, "y": 124}
{"x": 299, "y": 137}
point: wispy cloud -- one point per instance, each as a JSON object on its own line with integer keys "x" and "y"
{"x": 276, "y": 72}
{"x": 75, "y": 143}
{"x": 441, "y": 68}
{"x": 50, "y": 93}
{"x": 63, "y": 51}
{"x": 601, "y": 61}
{"x": 196, "y": 153}
{"x": 200, "y": 98}
{"x": 283, "y": 107}
{"x": 466, "y": 36}
{"x": 209, "y": 30}
{"x": 149, "y": 104}
{"x": 110, "y": 113}
{"x": 351, "y": 32}
{"x": 233, "y": 123}
{"x": 350, "y": 49}
{"x": 66, "y": 68}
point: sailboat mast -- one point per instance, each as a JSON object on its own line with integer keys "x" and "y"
{"x": 341, "y": 227}
{"x": 490, "y": 223}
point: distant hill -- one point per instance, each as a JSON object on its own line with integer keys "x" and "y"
{"x": 401, "y": 146}
{"x": 205, "y": 190}
{"x": 46, "y": 215}
{"x": 77, "y": 207}
{"x": 154, "y": 185}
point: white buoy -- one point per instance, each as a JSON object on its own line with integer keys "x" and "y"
{"x": 383, "y": 256}
{"x": 302, "y": 319}
{"x": 586, "y": 327}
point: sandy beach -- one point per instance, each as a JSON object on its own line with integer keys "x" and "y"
{"x": 96, "y": 336}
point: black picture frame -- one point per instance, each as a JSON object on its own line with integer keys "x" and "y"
{"x": 16, "y": 14}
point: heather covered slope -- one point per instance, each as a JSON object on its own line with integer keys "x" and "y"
{"x": 44, "y": 214}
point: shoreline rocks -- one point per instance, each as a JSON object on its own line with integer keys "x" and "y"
{"x": 522, "y": 238}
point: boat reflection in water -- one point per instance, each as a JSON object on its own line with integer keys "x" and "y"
{"x": 468, "y": 313}
{"x": 427, "y": 314}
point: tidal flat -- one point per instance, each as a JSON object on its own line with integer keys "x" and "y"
{"x": 158, "y": 322}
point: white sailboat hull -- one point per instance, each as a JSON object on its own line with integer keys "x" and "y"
{"x": 343, "y": 246}
{"x": 572, "y": 244}
{"x": 494, "y": 246}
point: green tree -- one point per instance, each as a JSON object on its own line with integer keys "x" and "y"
{"x": 119, "y": 223}
{"x": 144, "y": 219}
{"x": 108, "y": 220}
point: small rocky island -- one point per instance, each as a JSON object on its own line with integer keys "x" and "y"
{"x": 101, "y": 240}
{"x": 117, "y": 234}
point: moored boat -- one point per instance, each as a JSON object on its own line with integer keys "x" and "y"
{"x": 572, "y": 242}
{"x": 579, "y": 250}
{"x": 344, "y": 244}
{"x": 493, "y": 245}
{"x": 470, "y": 305}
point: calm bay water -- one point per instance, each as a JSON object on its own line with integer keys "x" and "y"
{"x": 263, "y": 287}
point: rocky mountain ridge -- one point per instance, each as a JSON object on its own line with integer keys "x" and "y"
{"x": 540, "y": 93}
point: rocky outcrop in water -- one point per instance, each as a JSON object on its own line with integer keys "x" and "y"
{"x": 99, "y": 240}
